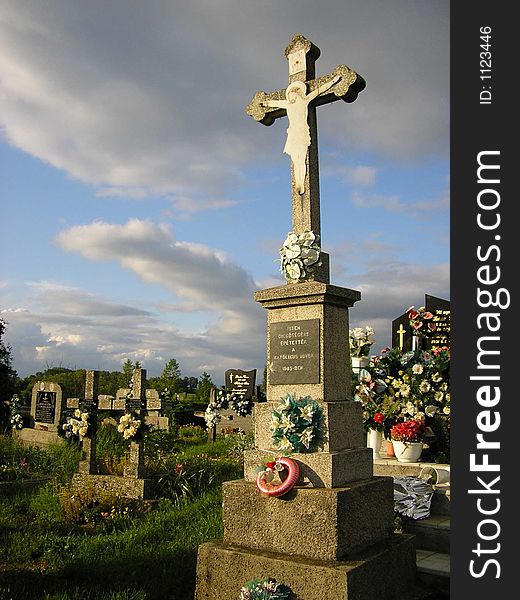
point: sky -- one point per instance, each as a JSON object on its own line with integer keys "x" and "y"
{"x": 141, "y": 208}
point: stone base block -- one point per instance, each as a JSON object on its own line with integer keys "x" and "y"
{"x": 318, "y": 469}
{"x": 124, "y": 487}
{"x": 38, "y": 437}
{"x": 384, "y": 572}
{"x": 323, "y": 523}
{"x": 343, "y": 423}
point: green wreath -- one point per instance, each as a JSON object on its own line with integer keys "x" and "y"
{"x": 297, "y": 425}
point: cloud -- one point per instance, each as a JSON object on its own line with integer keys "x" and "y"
{"x": 419, "y": 209}
{"x": 142, "y": 101}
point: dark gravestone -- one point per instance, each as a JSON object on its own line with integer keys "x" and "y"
{"x": 45, "y": 411}
{"x": 241, "y": 383}
{"x": 442, "y": 318}
{"x": 401, "y": 335}
{"x": 294, "y": 350}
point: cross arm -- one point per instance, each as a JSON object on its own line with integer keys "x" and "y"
{"x": 346, "y": 89}
{"x": 260, "y": 111}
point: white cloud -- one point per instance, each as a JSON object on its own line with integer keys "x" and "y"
{"x": 142, "y": 101}
{"x": 415, "y": 208}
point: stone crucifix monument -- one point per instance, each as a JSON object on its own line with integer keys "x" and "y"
{"x": 332, "y": 535}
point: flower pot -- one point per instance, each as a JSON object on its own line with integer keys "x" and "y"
{"x": 359, "y": 362}
{"x": 375, "y": 439}
{"x": 390, "y": 448}
{"x": 407, "y": 451}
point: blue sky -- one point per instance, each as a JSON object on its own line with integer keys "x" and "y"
{"x": 141, "y": 207}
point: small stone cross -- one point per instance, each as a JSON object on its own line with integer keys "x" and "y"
{"x": 136, "y": 398}
{"x": 299, "y": 101}
{"x": 401, "y": 331}
{"x": 88, "y": 445}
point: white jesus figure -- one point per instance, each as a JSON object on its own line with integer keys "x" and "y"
{"x": 298, "y": 135}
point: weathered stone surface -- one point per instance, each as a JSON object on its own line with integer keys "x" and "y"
{"x": 318, "y": 469}
{"x": 343, "y": 425}
{"x": 307, "y": 301}
{"x": 328, "y": 524}
{"x": 37, "y": 437}
{"x": 384, "y": 572}
{"x": 124, "y": 487}
{"x": 105, "y": 402}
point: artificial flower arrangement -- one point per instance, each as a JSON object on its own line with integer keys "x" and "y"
{"x": 361, "y": 340}
{"x": 16, "y": 418}
{"x": 77, "y": 425}
{"x": 297, "y": 425}
{"x": 299, "y": 255}
{"x": 130, "y": 426}
{"x": 408, "y": 431}
{"x": 404, "y": 387}
{"x": 380, "y": 408}
{"x": 421, "y": 321}
{"x": 264, "y": 589}
{"x": 242, "y": 407}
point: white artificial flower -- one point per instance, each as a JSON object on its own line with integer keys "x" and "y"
{"x": 83, "y": 431}
{"x": 430, "y": 410}
{"x": 77, "y": 413}
{"x": 293, "y": 271}
{"x": 306, "y": 436}
{"x": 286, "y": 423}
{"x": 436, "y": 377}
{"x": 404, "y": 390}
{"x": 446, "y": 410}
{"x": 425, "y": 387}
{"x": 84, "y": 416}
{"x": 439, "y": 396}
{"x": 307, "y": 412}
{"x": 417, "y": 369}
{"x": 285, "y": 444}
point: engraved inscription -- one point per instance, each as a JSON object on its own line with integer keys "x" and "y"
{"x": 294, "y": 352}
{"x": 45, "y": 407}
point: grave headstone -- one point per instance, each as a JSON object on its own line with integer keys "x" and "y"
{"x": 45, "y": 414}
{"x": 240, "y": 383}
{"x": 402, "y": 336}
{"x": 441, "y": 310}
{"x": 306, "y": 356}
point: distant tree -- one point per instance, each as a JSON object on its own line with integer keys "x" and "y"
{"x": 127, "y": 372}
{"x": 9, "y": 381}
{"x": 171, "y": 376}
{"x": 204, "y": 387}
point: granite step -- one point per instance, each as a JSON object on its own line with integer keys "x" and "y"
{"x": 432, "y": 534}
{"x": 433, "y": 571}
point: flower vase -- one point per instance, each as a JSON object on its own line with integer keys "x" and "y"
{"x": 418, "y": 342}
{"x": 375, "y": 439}
{"x": 359, "y": 362}
{"x": 407, "y": 451}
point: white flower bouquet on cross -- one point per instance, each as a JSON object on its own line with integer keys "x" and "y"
{"x": 299, "y": 255}
{"x": 361, "y": 340}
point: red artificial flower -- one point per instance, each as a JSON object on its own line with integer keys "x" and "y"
{"x": 379, "y": 417}
{"x": 270, "y": 465}
{"x": 413, "y": 315}
{"x": 427, "y": 315}
{"x": 417, "y": 325}
{"x": 432, "y": 326}
{"x": 409, "y": 309}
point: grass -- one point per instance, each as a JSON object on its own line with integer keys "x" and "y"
{"x": 51, "y": 549}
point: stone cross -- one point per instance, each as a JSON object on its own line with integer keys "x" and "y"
{"x": 88, "y": 462}
{"x": 135, "y": 401}
{"x": 401, "y": 331}
{"x": 299, "y": 101}
{"x": 136, "y": 398}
